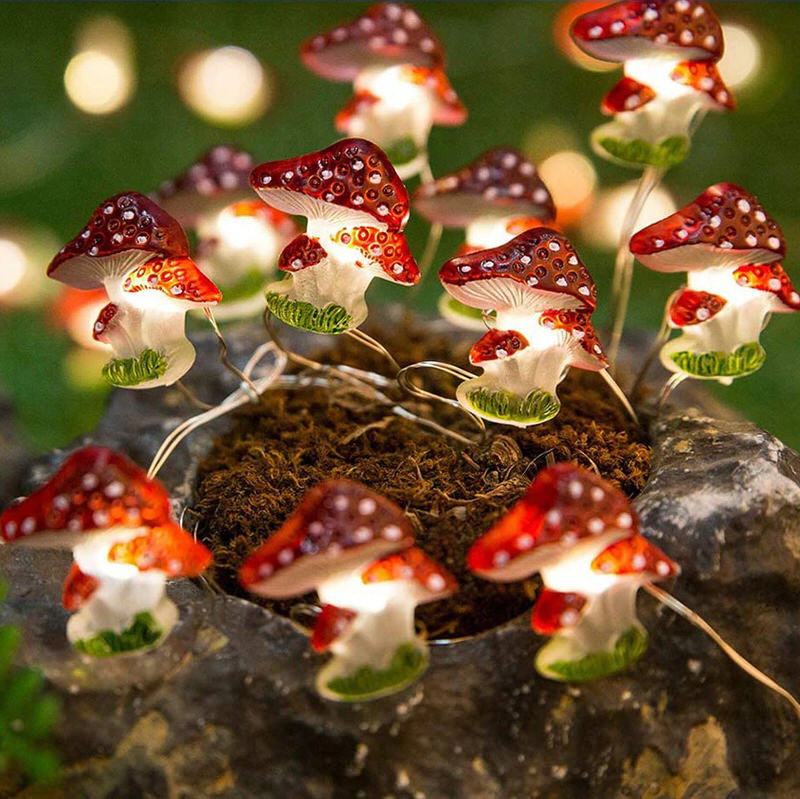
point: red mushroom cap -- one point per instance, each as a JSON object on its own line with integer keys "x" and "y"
{"x": 635, "y": 555}
{"x": 178, "y": 278}
{"x": 215, "y": 180}
{"x": 771, "y": 278}
{"x": 564, "y": 504}
{"x": 501, "y": 182}
{"x": 78, "y": 587}
{"x": 338, "y": 526}
{"x": 386, "y": 251}
{"x": 537, "y": 270}
{"x": 497, "y": 345}
{"x": 556, "y": 611}
{"x": 650, "y": 29}
{"x": 104, "y": 319}
{"x": 385, "y": 35}
{"x": 627, "y": 95}
{"x": 124, "y": 231}
{"x": 724, "y": 226}
{"x": 447, "y": 108}
{"x": 94, "y": 489}
{"x": 357, "y": 104}
{"x": 168, "y": 548}
{"x": 692, "y": 307}
{"x": 331, "y": 624}
{"x": 352, "y": 182}
{"x": 587, "y": 352}
{"x": 431, "y": 581}
{"x": 301, "y": 252}
{"x": 703, "y": 76}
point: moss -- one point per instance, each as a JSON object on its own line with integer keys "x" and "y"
{"x": 329, "y": 320}
{"x": 538, "y": 406}
{"x": 407, "y": 664}
{"x": 142, "y": 633}
{"x": 742, "y": 361}
{"x": 402, "y": 151}
{"x": 257, "y": 472}
{"x": 630, "y": 646}
{"x": 150, "y": 365}
{"x": 248, "y": 285}
{"x": 667, "y": 153}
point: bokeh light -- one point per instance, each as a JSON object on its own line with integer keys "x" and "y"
{"x": 25, "y": 252}
{"x": 77, "y": 312}
{"x": 227, "y": 86}
{"x": 571, "y": 179}
{"x": 742, "y": 59}
{"x": 13, "y": 265}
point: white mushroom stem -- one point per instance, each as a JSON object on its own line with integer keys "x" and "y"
{"x": 489, "y": 231}
{"x": 124, "y": 591}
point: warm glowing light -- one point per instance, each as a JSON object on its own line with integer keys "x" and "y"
{"x": 561, "y": 26}
{"x": 571, "y": 179}
{"x": 742, "y": 59}
{"x": 13, "y": 265}
{"x": 601, "y": 226}
{"x": 77, "y": 311}
{"x": 227, "y": 86}
{"x": 97, "y": 82}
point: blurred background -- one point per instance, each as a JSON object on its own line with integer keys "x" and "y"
{"x": 100, "y": 97}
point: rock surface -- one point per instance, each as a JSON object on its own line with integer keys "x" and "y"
{"x": 235, "y": 715}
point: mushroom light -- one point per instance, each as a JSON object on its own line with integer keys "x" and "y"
{"x": 354, "y": 548}
{"x": 731, "y": 250}
{"x": 118, "y": 524}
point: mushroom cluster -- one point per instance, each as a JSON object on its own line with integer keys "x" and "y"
{"x": 496, "y": 197}
{"x": 357, "y": 208}
{"x": 396, "y": 65}
{"x": 731, "y": 250}
{"x": 543, "y": 298}
{"x": 139, "y": 254}
{"x": 118, "y": 524}
{"x": 669, "y": 50}
{"x": 238, "y": 237}
{"x": 581, "y": 535}
{"x": 355, "y": 549}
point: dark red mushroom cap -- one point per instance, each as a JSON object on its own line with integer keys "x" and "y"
{"x": 168, "y": 548}
{"x": 703, "y": 76}
{"x": 500, "y": 182}
{"x": 93, "y": 490}
{"x": 338, "y": 526}
{"x": 178, "y": 278}
{"x": 537, "y": 270}
{"x": 685, "y": 29}
{"x": 358, "y": 103}
{"x": 724, "y": 226}
{"x": 124, "y": 231}
{"x": 430, "y": 580}
{"x": 627, "y": 95}
{"x": 301, "y": 252}
{"x": 385, "y": 35}
{"x": 496, "y": 345}
{"x": 447, "y": 108}
{"x": 331, "y": 624}
{"x": 78, "y": 588}
{"x": 556, "y": 611}
{"x": 104, "y": 319}
{"x": 693, "y": 307}
{"x": 564, "y": 504}
{"x": 771, "y": 278}
{"x": 635, "y": 555}
{"x": 385, "y": 251}
{"x": 216, "y": 179}
{"x": 587, "y": 352}
{"x": 352, "y": 182}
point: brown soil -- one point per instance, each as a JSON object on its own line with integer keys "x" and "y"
{"x": 257, "y": 473}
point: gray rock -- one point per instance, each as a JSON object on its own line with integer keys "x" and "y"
{"x": 235, "y": 714}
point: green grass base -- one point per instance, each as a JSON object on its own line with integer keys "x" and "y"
{"x": 408, "y": 664}
{"x": 402, "y": 151}
{"x": 248, "y": 285}
{"x": 150, "y": 365}
{"x": 667, "y": 153}
{"x": 742, "y": 361}
{"x": 630, "y": 646}
{"x": 536, "y": 407}
{"x": 142, "y": 633}
{"x": 330, "y": 320}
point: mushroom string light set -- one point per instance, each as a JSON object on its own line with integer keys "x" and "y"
{"x": 669, "y": 52}
{"x": 496, "y": 197}
{"x": 119, "y": 526}
{"x": 731, "y": 250}
{"x": 355, "y": 549}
